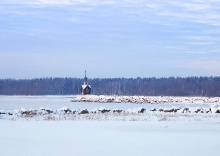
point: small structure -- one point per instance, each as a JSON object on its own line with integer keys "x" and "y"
{"x": 85, "y": 88}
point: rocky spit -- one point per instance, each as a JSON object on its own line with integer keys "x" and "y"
{"x": 134, "y": 114}
{"x": 101, "y": 110}
{"x": 146, "y": 99}
{"x": 66, "y": 110}
{"x": 211, "y": 109}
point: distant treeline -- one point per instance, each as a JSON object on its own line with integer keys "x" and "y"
{"x": 190, "y": 86}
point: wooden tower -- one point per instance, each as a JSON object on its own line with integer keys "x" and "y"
{"x": 85, "y": 88}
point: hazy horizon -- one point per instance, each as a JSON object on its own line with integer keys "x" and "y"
{"x": 106, "y": 77}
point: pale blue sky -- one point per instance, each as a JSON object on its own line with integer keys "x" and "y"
{"x": 109, "y": 38}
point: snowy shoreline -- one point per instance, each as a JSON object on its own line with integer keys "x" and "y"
{"x": 92, "y": 107}
{"x": 134, "y": 114}
{"x": 146, "y": 99}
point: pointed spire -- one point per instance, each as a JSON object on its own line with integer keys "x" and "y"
{"x": 85, "y": 79}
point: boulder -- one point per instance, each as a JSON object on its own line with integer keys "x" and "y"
{"x": 29, "y": 112}
{"x": 48, "y": 111}
{"x": 194, "y": 110}
{"x": 160, "y": 109}
{"x": 2, "y": 112}
{"x": 117, "y": 111}
{"x": 169, "y": 110}
{"x": 153, "y": 109}
{"x": 84, "y": 111}
{"x": 103, "y": 110}
{"x": 141, "y": 110}
{"x": 175, "y": 109}
{"x": 66, "y": 110}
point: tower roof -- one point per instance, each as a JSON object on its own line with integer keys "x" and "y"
{"x": 85, "y": 79}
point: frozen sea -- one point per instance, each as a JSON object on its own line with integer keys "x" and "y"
{"x": 55, "y": 102}
{"x": 104, "y": 138}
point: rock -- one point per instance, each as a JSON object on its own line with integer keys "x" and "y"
{"x": 141, "y": 110}
{"x": 160, "y": 109}
{"x": 29, "y": 112}
{"x": 49, "y": 111}
{"x": 153, "y": 109}
{"x": 117, "y": 111}
{"x": 205, "y": 110}
{"x": 2, "y": 112}
{"x": 66, "y": 110}
{"x": 175, "y": 109}
{"x": 186, "y": 110}
{"x": 74, "y": 112}
{"x": 103, "y": 110}
{"x": 169, "y": 110}
{"x": 194, "y": 110}
{"x": 84, "y": 111}
{"x": 10, "y": 113}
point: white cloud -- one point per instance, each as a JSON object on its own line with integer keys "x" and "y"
{"x": 198, "y": 11}
{"x": 202, "y": 40}
{"x": 63, "y": 2}
{"x": 47, "y": 2}
{"x": 203, "y": 12}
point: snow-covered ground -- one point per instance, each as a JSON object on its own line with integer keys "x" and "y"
{"x": 98, "y": 138}
{"x": 146, "y": 99}
{"x": 150, "y": 133}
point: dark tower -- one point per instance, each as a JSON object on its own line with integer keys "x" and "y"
{"x": 85, "y": 88}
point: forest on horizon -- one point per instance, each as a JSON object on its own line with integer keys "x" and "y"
{"x": 189, "y": 86}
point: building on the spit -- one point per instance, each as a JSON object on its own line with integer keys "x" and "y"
{"x": 85, "y": 88}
